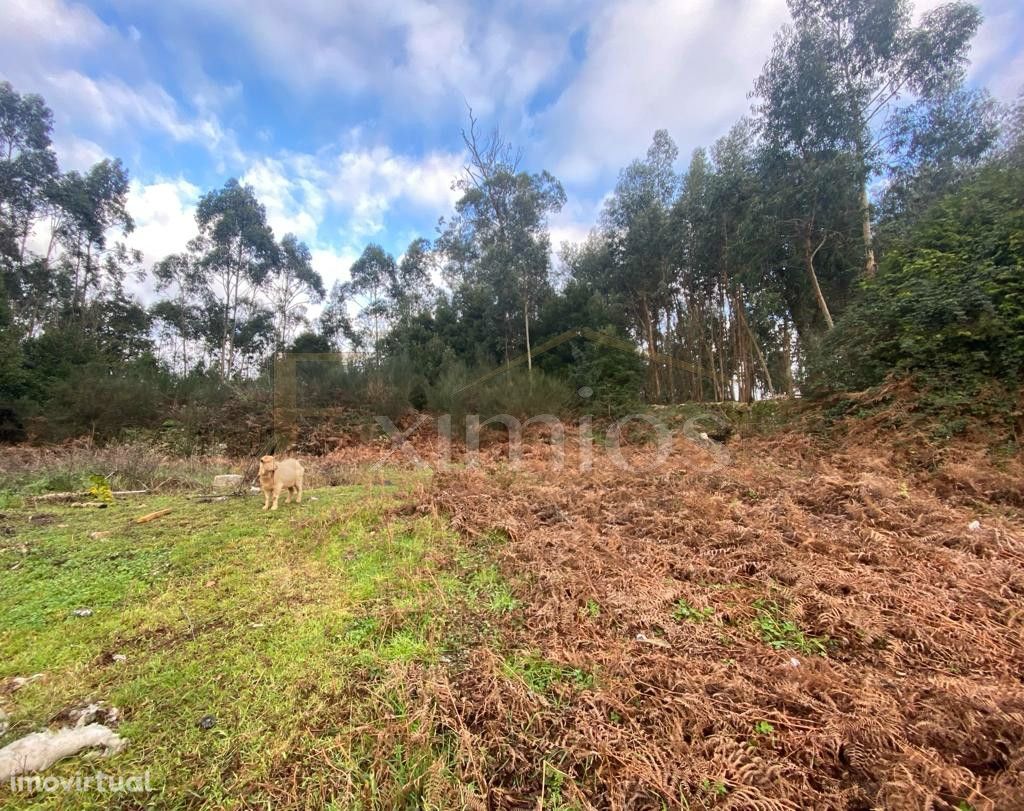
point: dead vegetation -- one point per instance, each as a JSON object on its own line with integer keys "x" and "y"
{"x": 799, "y": 627}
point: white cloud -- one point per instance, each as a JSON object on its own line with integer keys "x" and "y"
{"x": 658, "y": 63}
{"x": 77, "y": 153}
{"x": 355, "y": 188}
{"x": 164, "y": 214}
{"x": 416, "y": 57}
{"x": 49, "y": 25}
{"x": 111, "y": 105}
{"x": 333, "y": 264}
{"x": 996, "y": 58}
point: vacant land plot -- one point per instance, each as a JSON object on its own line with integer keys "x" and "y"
{"x": 786, "y": 626}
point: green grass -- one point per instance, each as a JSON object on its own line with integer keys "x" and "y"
{"x": 294, "y": 629}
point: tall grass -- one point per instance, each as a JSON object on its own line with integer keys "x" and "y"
{"x": 124, "y": 465}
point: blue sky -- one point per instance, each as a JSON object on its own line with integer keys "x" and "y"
{"x": 345, "y": 116}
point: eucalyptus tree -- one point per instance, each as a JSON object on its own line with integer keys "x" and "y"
{"x": 933, "y": 145}
{"x": 636, "y": 222}
{"x": 373, "y": 286}
{"x": 293, "y": 285}
{"x": 414, "y": 288}
{"x": 93, "y": 204}
{"x": 840, "y": 70}
{"x": 27, "y": 166}
{"x": 334, "y": 322}
{"x": 182, "y": 277}
{"x": 237, "y": 250}
{"x": 498, "y": 238}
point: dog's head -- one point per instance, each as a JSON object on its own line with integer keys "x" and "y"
{"x": 268, "y": 464}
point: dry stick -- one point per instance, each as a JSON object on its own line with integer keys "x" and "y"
{"x": 145, "y": 519}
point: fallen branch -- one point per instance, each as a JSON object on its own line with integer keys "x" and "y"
{"x": 51, "y": 497}
{"x": 145, "y": 519}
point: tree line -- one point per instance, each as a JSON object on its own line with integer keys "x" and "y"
{"x": 863, "y": 218}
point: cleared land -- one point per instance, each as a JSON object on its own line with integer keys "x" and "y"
{"x": 806, "y": 623}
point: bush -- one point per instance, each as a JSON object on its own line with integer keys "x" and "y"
{"x": 948, "y": 303}
{"x": 516, "y": 391}
{"x": 99, "y": 401}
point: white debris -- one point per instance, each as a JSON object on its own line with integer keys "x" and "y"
{"x": 40, "y": 750}
{"x": 119, "y": 657}
{"x": 652, "y": 640}
{"x": 99, "y": 536}
{"x": 20, "y": 681}
{"x": 794, "y": 662}
{"x": 227, "y": 481}
{"x": 93, "y": 714}
{"x": 974, "y": 526}
{"x": 82, "y": 612}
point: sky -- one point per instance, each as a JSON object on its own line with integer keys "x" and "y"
{"x": 346, "y": 116}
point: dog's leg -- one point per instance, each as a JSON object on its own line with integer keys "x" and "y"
{"x": 288, "y": 496}
{"x": 266, "y": 499}
{"x": 298, "y": 490}
{"x": 277, "y": 495}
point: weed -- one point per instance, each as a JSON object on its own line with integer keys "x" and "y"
{"x": 780, "y": 632}
{"x": 713, "y": 788}
{"x": 684, "y": 612}
{"x": 542, "y": 675}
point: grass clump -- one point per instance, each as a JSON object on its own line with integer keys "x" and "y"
{"x": 543, "y": 676}
{"x": 780, "y": 632}
{"x": 684, "y": 612}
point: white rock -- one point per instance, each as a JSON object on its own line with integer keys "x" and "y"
{"x": 226, "y": 481}
{"x": 974, "y": 526}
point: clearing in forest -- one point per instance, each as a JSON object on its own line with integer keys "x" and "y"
{"x": 806, "y": 623}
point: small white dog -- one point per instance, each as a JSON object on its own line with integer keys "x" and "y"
{"x": 277, "y": 476}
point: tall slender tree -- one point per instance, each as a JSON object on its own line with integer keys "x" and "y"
{"x": 237, "y": 248}
{"x": 837, "y": 73}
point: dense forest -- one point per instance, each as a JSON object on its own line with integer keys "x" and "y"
{"x": 865, "y": 219}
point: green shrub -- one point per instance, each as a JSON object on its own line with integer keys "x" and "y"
{"x": 948, "y": 303}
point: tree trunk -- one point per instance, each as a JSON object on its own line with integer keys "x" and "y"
{"x": 742, "y": 310}
{"x": 651, "y": 351}
{"x": 526, "y": 321}
{"x": 809, "y": 259}
{"x": 670, "y": 347}
{"x": 871, "y": 266}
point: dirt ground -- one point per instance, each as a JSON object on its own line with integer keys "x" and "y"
{"x": 782, "y": 623}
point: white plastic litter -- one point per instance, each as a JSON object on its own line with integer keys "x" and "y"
{"x": 974, "y": 526}
{"x": 40, "y": 750}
